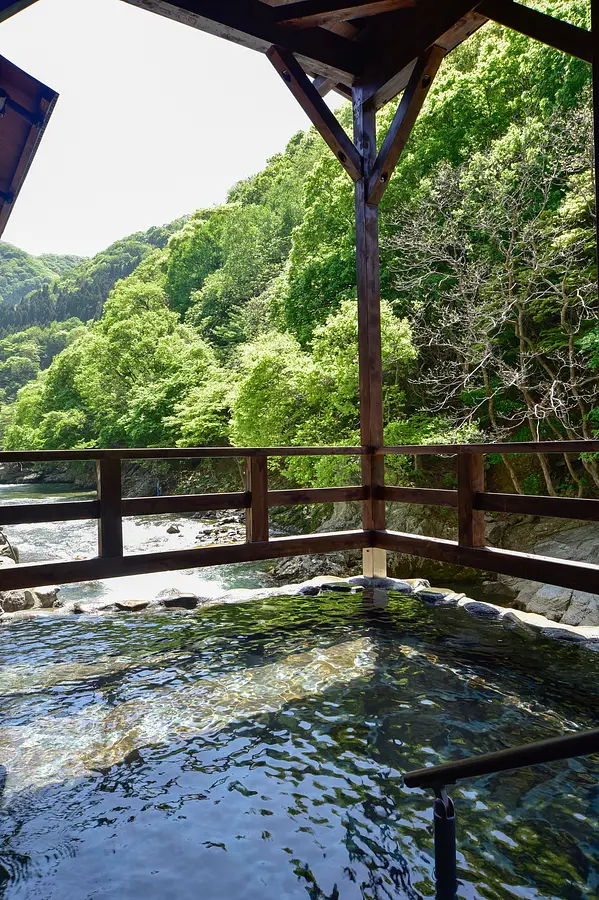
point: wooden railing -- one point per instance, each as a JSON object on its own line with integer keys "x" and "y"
{"x": 470, "y": 500}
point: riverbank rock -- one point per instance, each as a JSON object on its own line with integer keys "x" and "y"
{"x": 568, "y": 607}
{"x": 172, "y": 598}
{"x": 297, "y": 569}
{"x": 132, "y": 605}
{"x": 7, "y": 550}
{"x": 15, "y": 601}
{"x": 46, "y": 597}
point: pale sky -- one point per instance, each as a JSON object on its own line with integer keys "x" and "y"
{"x": 154, "y": 120}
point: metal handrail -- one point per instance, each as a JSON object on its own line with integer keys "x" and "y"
{"x": 563, "y": 747}
{"x": 567, "y": 746}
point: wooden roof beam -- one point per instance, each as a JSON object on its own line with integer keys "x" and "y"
{"x": 403, "y": 122}
{"x": 548, "y": 30}
{"x": 251, "y": 24}
{"x": 10, "y": 8}
{"x": 310, "y": 13}
{"x": 446, "y": 24}
{"x": 323, "y": 119}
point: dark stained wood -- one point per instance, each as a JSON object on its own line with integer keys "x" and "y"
{"x": 369, "y": 315}
{"x": 256, "y": 518}
{"x": 34, "y": 574}
{"x": 394, "y": 49}
{"x": 251, "y": 24}
{"x": 471, "y": 480}
{"x": 575, "y": 575}
{"x": 305, "y": 13}
{"x": 34, "y": 513}
{"x": 514, "y": 447}
{"x": 320, "y": 115}
{"x": 11, "y": 8}
{"x": 175, "y": 453}
{"x": 423, "y": 496}
{"x": 556, "y": 507}
{"x": 300, "y": 496}
{"x": 110, "y": 523}
{"x": 29, "y": 106}
{"x": 404, "y": 120}
{"x": 546, "y": 29}
{"x": 184, "y": 503}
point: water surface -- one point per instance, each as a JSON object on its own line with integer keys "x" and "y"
{"x": 256, "y": 751}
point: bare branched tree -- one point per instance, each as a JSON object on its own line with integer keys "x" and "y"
{"x": 497, "y": 258}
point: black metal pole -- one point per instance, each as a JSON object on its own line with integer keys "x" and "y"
{"x": 446, "y": 869}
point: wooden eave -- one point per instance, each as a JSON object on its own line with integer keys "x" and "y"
{"x": 349, "y": 43}
{"x": 28, "y": 109}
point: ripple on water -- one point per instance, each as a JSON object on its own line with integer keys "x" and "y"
{"x": 256, "y": 751}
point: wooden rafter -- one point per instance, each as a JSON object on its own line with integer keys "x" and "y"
{"x": 397, "y": 47}
{"x": 323, "y": 119}
{"x": 250, "y": 23}
{"x": 546, "y": 29}
{"x": 310, "y": 13}
{"x": 8, "y": 9}
{"x": 401, "y": 127}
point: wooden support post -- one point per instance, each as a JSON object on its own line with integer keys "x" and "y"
{"x": 256, "y": 517}
{"x": 110, "y": 523}
{"x": 369, "y": 332}
{"x": 471, "y": 480}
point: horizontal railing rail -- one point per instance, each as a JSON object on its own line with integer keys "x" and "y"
{"x": 565, "y": 746}
{"x": 437, "y": 778}
{"x": 470, "y": 500}
{"x": 515, "y": 447}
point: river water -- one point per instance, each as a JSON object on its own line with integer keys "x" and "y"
{"x": 255, "y": 750}
{"x": 76, "y": 540}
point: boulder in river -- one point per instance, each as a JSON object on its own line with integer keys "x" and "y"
{"x": 46, "y": 597}
{"x": 132, "y": 605}
{"x": 15, "y": 601}
{"x": 172, "y": 598}
{"x": 7, "y": 551}
{"x": 173, "y": 529}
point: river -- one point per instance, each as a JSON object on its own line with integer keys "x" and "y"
{"x": 254, "y": 751}
{"x": 73, "y": 540}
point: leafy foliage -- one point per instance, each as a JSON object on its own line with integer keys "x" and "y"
{"x": 240, "y": 323}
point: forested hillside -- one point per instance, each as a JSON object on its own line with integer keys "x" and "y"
{"x": 21, "y": 273}
{"x": 241, "y": 326}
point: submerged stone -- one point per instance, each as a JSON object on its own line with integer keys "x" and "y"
{"x": 387, "y": 584}
{"x": 562, "y": 634}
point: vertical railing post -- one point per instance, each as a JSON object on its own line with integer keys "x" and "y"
{"x": 256, "y": 482}
{"x": 110, "y": 523}
{"x": 471, "y": 480}
{"x": 446, "y": 870}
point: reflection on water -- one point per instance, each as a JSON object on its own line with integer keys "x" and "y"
{"x": 255, "y": 751}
